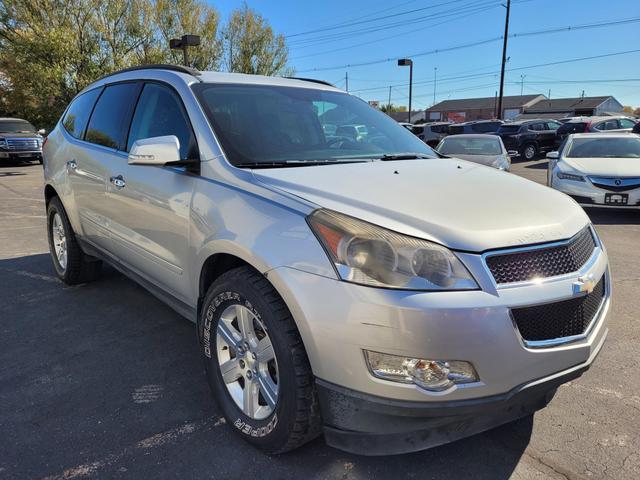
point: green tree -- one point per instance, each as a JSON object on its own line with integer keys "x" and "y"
{"x": 52, "y": 49}
{"x": 250, "y": 46}
{"x": 390, "y": 107}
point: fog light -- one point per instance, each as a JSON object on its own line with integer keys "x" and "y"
{"x": 432, "y": 375}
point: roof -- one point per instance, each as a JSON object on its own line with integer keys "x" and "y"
{"x": 471, "y": 135}
{"x": 526, "y": 120}
{"x": 600, "y": 135}
{"x": 513, "y": 101}
{"x": 566, "y": 105}
{"x": 12, "y": 119}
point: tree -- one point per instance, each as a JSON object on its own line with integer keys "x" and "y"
{"x": 390, "y": 108}
{"x": 52, "y": 49}
{"x": 250, "y": 46}
{"x": 628, "y": 109}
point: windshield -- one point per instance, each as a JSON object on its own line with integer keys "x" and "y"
{"x": 16, "y": 126}
{"x": 264, "y": 124}
{"x": 611, "y": 147}
{"x": 470, "y": 146}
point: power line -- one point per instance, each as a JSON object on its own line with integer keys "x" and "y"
{"x": 477, "y": 43}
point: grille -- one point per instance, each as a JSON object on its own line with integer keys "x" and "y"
{"x": 609, "y": 183}
{"x": 22, "y": 144}
{"x": 559, "y": 319}
{"x": 542, "y": 262}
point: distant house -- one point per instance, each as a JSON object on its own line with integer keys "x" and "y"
{"x": 573, "y": 107}
{"x": 466, "y": 109}
{"x": 404, "y": 116}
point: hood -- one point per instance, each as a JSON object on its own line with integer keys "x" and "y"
{"x": 456, "y": 203}
{"x": 605, "y": 167}
{"x": 19, "y": 135}
{"x": 481, "y": 159}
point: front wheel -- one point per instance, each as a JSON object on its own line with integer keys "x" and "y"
{"x": 256, "y": 364}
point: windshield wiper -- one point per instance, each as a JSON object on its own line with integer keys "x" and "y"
{"x": 296, "y": 163}
{"x": 404, "y": 156}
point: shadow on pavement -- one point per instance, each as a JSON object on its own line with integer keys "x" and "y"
{"x": 539, "y": 165}
{"x": 103, "y": 380}
{"x": 608, "y": 216}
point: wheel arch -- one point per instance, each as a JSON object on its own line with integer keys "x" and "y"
{"x": 49, "y": 193}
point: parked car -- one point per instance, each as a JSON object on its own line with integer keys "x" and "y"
{"x": 598, "y": 170}
{"x": 19, "y": 140}
{"x": 594, "y": 125}
{"x": 408, "y": 126}
{"x": 431, "y": 133}
{"x": 484, "y": 149}
{"x": 476, "y": 126}
{"x": 371, "y": 291}
{"x": 529, "y": 137}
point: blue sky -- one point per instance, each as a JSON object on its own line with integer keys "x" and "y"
{"x": 440, "y": 24}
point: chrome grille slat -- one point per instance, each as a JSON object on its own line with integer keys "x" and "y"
{"x": 541, "y": 262}
{"x": 22, "y": 144}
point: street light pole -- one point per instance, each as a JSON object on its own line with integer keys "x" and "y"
{"x": 403, "y": 62}
{"x": 435, "y": 77}
{"x": 504, "y": 58}
{"x": 522, "y": 77}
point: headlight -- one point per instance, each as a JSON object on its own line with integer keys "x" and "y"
{"x": 432, "y": 375}
{"x": 371, "y": 255}
{"x": 569, "y": 176}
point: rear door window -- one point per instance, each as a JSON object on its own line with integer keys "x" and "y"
{"x": 537, "y": 127}
{"x": 160, "y": 112}
{"x": 626, "y": 123}
{"x": 75, "y": 120}
{"x": 111, "y": 114}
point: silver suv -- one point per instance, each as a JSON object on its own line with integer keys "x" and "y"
{"x": 364, "y": 288}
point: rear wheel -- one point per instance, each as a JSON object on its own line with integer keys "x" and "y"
{"x": 71, "y": 264}
{"x": 256, "y": 364}
{"x": 529, "y": 151}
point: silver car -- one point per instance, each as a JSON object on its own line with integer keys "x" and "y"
{"x": 483, "y": 149}
{"x": 364, "y": 288}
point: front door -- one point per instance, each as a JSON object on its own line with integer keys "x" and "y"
{"x": 149, "y": 206}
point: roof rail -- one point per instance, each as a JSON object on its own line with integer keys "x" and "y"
{"x": 314, "y": 80}
{"x": 157, "y": 66}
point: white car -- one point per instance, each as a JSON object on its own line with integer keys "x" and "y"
{"x": 600, "y": 169}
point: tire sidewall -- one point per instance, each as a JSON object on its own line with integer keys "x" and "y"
{"x": 272, "y": 432}
{"x": 53, "y": 208}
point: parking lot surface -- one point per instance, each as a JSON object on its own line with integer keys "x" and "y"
{"x": 104, "y": 381}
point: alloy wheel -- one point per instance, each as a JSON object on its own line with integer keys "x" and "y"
{"x": 59, "y": 240}
{"x": 529, "y": 152}
{"x": 247, "y": 362}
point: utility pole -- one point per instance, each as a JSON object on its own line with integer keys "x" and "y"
{"x": 389, "y": 103}
{"x": 504, "y": 58}
{"x": 346, "y": 80}
{"x": 495, "y": 105}
{"x": 435, "y": 77}
{"x": 522, "y": 77}
{"x": 549, "y": 96}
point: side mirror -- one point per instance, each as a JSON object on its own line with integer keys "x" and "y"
{"x": 553, "y": 155}
{"x": 42, "y": 131}
{"x": 155, "y": 151}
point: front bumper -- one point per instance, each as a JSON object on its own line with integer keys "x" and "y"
{"x": 369, "y": 425}
{"x": 21, "y": 156}
{"x": 588, "y": 195}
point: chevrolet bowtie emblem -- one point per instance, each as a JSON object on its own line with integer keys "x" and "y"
{"x": 584, "y": 285}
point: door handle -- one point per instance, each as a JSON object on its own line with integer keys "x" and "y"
{"x": 118, "y": 182}
{"x": 72, "y": 164}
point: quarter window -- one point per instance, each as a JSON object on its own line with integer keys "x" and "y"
{"x": 108, "y": 119}
{"x": 75, "y": 120}
{"x": 160, "y": 112}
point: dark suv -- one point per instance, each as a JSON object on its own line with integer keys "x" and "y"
{"x": 477, "y": 126}
{"x": 529, "y": 137}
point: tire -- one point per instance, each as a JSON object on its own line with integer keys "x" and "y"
{"x": 74, "y": 266}
{"x": 293, "y": 418}
{"x": 529, "y": 152}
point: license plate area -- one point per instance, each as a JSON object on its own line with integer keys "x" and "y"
{"x": 616, "y": 198}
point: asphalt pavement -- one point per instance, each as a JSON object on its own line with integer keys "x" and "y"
{"x": 104, "y": 381}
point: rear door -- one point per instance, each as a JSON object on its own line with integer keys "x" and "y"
{"x": 150, "y": 210}
{"x": 90, "y": 160}
{"x": 549, "y": 134}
